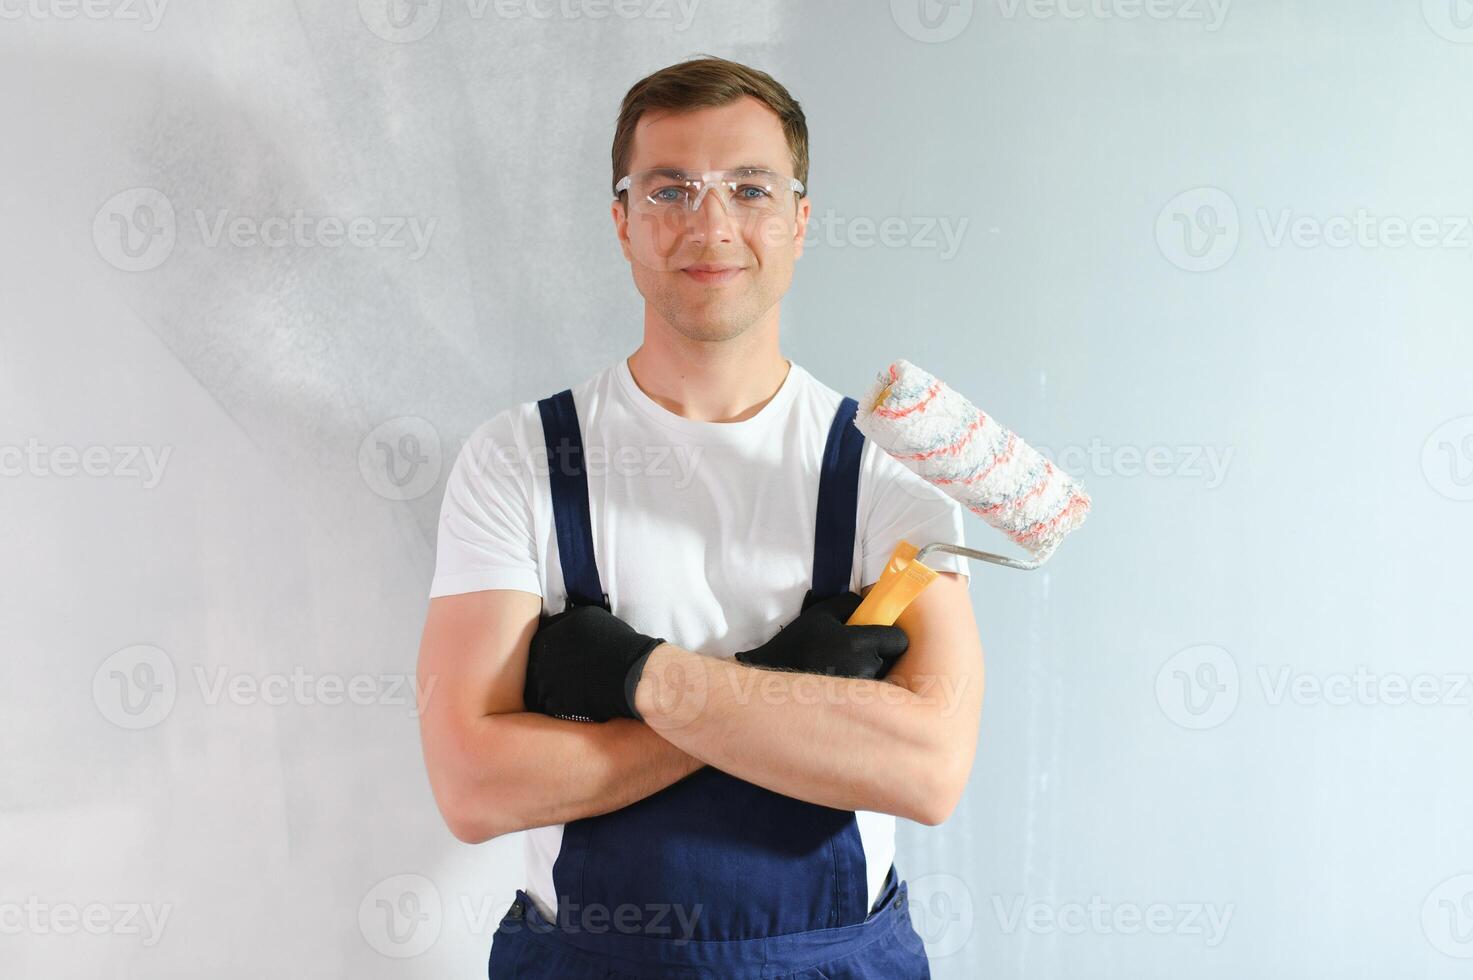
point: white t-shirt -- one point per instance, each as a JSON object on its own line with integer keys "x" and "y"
{"x": 703, "y": 531}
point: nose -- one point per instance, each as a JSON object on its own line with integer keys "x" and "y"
{"x": 711, "y": 219}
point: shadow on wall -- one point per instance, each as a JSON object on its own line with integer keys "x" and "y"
{"x": 330, "y": 305}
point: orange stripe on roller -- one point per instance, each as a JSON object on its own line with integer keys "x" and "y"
{"x": 1017, "y": 501}
{"x": 1075, "y": 503}
{"x": 998, "y": 460}
{"x": 954, "y": 448}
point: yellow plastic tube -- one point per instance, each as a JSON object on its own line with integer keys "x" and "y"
{"x": 900, "y": 582}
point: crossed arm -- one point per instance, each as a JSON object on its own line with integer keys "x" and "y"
{"x": 901, "y": 745}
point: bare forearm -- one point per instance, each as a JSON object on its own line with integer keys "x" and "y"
{"x": 524, "y": 770}
{"x": 840, "y": 742}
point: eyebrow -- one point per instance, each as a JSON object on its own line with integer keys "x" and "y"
{"x": 740, "y": 166}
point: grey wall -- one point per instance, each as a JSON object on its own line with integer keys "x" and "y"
{"x": 1214, "y": 260}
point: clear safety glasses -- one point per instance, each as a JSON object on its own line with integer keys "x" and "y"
{"x": 745, "y": 193}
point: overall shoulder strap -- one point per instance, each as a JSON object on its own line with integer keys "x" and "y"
{"x": 838, "y": 505}
{"x": 569, "y": 481}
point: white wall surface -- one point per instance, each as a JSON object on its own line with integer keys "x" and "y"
{"x": 1227, "y": 728}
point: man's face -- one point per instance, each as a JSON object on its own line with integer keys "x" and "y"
{"x": 661, "y": 253}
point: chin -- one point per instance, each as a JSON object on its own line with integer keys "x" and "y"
{"x": 710, "y": 330}
{"x": 714, "y": 323}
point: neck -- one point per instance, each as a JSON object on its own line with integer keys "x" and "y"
{"x": 709, "y": 381}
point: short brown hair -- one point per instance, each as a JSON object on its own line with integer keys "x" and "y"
{"x": 708, "y": 82}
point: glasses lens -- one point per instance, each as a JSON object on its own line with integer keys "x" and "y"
{"x": 662, "y": 208}
{"x": 659, "y": 190}
{"x": 743, "y": 192}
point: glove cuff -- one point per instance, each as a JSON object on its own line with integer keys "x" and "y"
{"x": 631, "y": 679}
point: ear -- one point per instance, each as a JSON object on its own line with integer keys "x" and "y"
{"x": 621, "y": 228}
{"x": 801, "y": 235}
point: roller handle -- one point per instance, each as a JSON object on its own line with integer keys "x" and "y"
{"x": 902, "y": 580}
{"x": 905, "y": 575}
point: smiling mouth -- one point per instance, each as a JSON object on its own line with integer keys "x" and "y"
{"x": 713, "y": 277}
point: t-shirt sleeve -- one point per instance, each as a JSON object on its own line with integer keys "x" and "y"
{"x": 485, "y": 538}
{"x": 904, "y": 507}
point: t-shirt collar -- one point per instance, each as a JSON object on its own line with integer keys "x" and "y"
{"x": 776, "y": 408}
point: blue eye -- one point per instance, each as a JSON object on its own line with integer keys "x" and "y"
{"x": 761, "y": 192}
{"x": 667, "y": 195}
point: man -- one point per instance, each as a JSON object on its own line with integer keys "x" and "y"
{"x": 638, "y": 615}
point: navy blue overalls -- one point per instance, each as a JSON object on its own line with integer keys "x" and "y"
{"x": 713, "y": 876}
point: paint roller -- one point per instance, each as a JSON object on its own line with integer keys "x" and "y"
{"x": 951, "y": 444}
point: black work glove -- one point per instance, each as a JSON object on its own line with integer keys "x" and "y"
{"x": 584, "y": 663}
{"x": 820, "y": 642}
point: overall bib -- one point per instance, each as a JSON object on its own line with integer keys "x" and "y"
{"x": 712, "y": 877}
